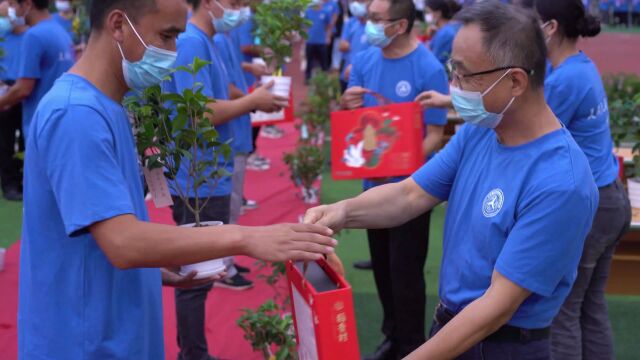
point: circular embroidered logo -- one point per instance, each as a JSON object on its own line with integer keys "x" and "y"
{"x": 403, "y": 88}
{"x": 493, "y": 203}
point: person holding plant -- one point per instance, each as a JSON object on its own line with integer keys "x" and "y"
{"x": 90, "y": 287}
{"x": 209, "y": 18}
{"x": 574, "y": 91}
{"x": 317, "y": 46}
{"x": 398, "y": 68}
{"x": 11, "y": 118}
{"x": 521, "y": 197}
{"x": 46, "y": 52}
{"x": 442, "y": 11}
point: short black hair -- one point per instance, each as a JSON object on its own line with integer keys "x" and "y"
{"x": 195, "y": 4}
{"x": 99, "y": 9}
{"x": 511, "y": 36}
{"x": 448, "y": 8}
{"x": 403, "y": 9}
{"x": 39, "y": 4}
{"x": 571, "y": 16}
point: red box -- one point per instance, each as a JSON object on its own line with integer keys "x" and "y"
{"x": 323, "y": 313}
{"x": 377, "y": 142}
{"x": 260, "y": 118}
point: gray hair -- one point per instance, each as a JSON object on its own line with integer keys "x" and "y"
{"x": 511, "y": 36}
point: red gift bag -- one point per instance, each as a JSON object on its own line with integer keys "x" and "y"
{"x": 374, "y": 142}
{"x": 323, "y": 312}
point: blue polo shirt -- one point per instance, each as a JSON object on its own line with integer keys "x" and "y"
{"x": 353, "y": 33}
{"x": 586, "y": 116}
{"x": 523, "y": 211}
{"x": 46, "y": 53}
{"x": 67, "y": 24}
{"x": 214, "y": 81}
{"x": 241, "y": 126}
{"x": 243, "y": 36}
{"x": 10, "y": 62}
{"x": 320, "y": 18}
{"x": 442, "y": 42}
{"x": 82, "y": 168}
{"x": 400, "y": 80}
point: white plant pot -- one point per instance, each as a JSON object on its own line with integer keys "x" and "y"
{"x": 633, "y": 186}
{"x": 309, "y": 196}
{"x": 281, "y": 87}
{"x": 207, "y": 268}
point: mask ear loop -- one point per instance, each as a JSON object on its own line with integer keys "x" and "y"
{"x": 496, "y": 82}
{"x": 135, "y": 32}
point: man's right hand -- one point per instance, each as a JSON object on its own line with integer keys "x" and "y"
{"x": 264, "y": 100}
{"x": 332, "y": 216}
{"x": 353, "y": 97}
{"x": 283, "y": 242}
{"x": 434, "y": 99}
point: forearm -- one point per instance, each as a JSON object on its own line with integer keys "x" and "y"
{"x": 252, "y": 50}
{"x": 471, "y": 326}
{"x": 432, "y": 143}
{"x": 235, "y": 93}
{"x": 13, "y": 96}
{"x": 227, "y": 110}
{"x": 387, "y": 206}
{"x": 141, "y": 244}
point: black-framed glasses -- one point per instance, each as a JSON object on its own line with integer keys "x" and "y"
{"x": 452, "y": 70}
{"x": 377, "y": 21}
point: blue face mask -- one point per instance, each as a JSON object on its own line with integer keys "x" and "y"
{"x": 5, "y": 26}
{"x": 155, "y": 65}
{"x": 358, "y": 9}
{"x": 470, "y": 106}
{"x": 245, "y": 14}
{"x": 230, "y": 20}
{"x": 15, "y": 19}
{"x": 376, "y": 36}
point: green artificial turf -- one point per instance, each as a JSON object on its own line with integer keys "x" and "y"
{"x": 10, "y": 222}
{"x": 624, "y": 310}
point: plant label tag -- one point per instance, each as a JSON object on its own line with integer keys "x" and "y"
{"x": 158, "y": 187}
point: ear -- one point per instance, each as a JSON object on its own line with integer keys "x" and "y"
{"x": 403, "y": 25}
{"x": 553, "y": 27}
{"x": 520, "y": 82}
{"x": 114, "y": 25}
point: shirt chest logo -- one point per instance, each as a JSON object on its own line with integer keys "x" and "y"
{"x": 492, "y": 203}
{"x": 403, "y": 88}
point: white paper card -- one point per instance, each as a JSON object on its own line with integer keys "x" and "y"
{"x": 158, "y": 187}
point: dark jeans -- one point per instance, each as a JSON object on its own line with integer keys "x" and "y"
{"x": 398, "y": 256}
{"x": 190, "y": 314}
{"x": 316, "y": 53}
{"x": 499, "y": 350}
{"x": 582, "y": 330}
{"x": 10, "y": 166}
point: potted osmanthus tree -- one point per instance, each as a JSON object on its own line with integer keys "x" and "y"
{"x": 623, "y": 93}
{"x": 172, "y": 133}
{"x": 277, "y": 23}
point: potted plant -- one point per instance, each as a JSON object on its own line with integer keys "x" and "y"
{"x": 623, "y": 93}
{"x": 306, "y": 164}
{"x": 269, "y": 332}
{"x": 172, "y": 131}
{"x": 322, "y": 97}
{"x": 277, "y": 23}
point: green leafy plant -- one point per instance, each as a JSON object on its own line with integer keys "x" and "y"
{"x": 306, "y": 164}
{"x": 266, "y": 328}
{"x": 322, "y": 97}
{"x": 173, "y": 132}
{"x": 623, "y": 94}
{"x": 277, "y": 22}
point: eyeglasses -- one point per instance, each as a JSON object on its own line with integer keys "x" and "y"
{"x": 377, "y": 21}
{"x": 451, "y": 67}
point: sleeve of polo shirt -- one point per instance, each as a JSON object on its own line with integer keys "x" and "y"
{"x": 31, "y": 51}
{"x": 246, "y": 36}
{"x": 188, "y": 49}
{"x": 437, "y": 175}
{"x": 547, "y": 239}
{"x": 356, "y": 78}
{"x": 562, "y": 100}
{"x": 436, "y": 80}
{"x": 83, "y": 171}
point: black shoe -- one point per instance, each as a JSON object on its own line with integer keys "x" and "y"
{"x": 242, "y": 269}
{"x": 384, "y": 352}
{"x": 237, "y": 283}
{"x": 12, "y": 195}
{"x": 363, "y": 265}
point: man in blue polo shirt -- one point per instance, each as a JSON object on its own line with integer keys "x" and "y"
{"x": 90, "y": 287}
{"x": 317, "y": 46}
{"x": 353, "y": 39}
{"x": 399, "y": 68}
{"x": 209, "y": 18}
{"x": 10, "y": 119}
{"x": 45, "y": 54}
{"x": 64, "y": 16}
{"x": 521, "y": 197}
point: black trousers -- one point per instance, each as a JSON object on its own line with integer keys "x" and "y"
{"x": 10, "y": 166}
{"x": 398, "y": 256}
{"x": 316, "y": 53}
{"x": 190, "y": 312}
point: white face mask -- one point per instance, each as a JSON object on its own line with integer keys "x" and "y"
{"x": 63, "y": 5}
{"x": 15, "y": 19}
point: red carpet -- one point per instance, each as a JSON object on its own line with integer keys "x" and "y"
{"x": 278, "y": 202}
